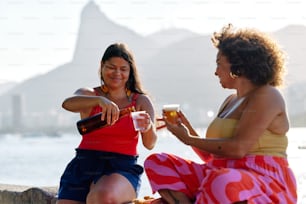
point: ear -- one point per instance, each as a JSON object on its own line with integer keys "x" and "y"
{"x": 100, "y": 70}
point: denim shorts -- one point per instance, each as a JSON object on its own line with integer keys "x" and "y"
{"x": 89, "y": 165}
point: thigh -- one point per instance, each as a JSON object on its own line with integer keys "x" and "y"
{"x": 257, "y": 179}
{"x": 126, "y": 167}
{"x": 168, "y": 171}
{"x": 229, "y": 185}
{"x": 68, "y": 202}
{"x": 76, "y": 179}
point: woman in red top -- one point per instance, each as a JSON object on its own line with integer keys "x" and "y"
{"x": 105, "y": 168}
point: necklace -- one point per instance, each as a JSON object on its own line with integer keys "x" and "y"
{"x": 128, "y": 92}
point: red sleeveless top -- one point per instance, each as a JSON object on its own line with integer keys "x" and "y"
{"x": 119, "y": 138}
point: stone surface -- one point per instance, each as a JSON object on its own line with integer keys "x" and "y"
{"x": 16, "y": 194}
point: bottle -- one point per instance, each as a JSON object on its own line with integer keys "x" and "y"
{"x": 87, "y": 125}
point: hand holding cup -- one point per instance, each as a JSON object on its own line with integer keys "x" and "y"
{"x": 141, "y": 121}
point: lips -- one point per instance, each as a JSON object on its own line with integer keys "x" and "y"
{"x": 115, "y": 79}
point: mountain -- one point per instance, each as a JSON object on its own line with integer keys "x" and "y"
{"x": 96, "y": 32}
{"x": 292, "y": 39}
{"x": 6, "y": 86}
{"x": 168, "y": 36}
{"x": 175, "y": 69}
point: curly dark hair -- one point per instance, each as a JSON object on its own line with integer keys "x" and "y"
{"x": 252, "y": 54}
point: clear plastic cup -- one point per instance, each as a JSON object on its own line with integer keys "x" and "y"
{"x": 137, "y": 119}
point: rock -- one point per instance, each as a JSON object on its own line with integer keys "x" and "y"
{"x": 16, "y": 194}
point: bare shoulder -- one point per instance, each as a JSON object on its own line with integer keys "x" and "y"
{"x": 144, "y": 102}
{"x": 143, "y": 99}
{"x": 85, "y": 91}
{"x": 268, "y": 93}
{"x": 269, "y": 98}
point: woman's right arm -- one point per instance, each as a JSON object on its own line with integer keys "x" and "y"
{"x": 204, "y": 156}
{"x": 85, "y": 99}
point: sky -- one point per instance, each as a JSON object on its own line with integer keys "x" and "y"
{"x": 37, "y": 36}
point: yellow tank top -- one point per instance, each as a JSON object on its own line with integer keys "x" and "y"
{"x": 268, "y": 144}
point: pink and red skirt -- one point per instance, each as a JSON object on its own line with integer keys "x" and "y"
{"x": 256, "y": 179}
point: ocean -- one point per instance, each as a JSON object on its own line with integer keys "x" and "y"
{"x": 40, "y": 160}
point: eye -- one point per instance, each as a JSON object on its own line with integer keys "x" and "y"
{"x": 124, "y": 69}
{"x": 110, "y": 67}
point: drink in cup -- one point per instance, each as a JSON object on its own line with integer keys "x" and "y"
{"x": 170, "y": 111}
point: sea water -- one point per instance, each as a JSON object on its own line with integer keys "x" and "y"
{"x": 40, "y": 160}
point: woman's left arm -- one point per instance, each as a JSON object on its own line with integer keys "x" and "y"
{"x": 149, "y": 135}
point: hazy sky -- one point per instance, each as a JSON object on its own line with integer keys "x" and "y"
{"x": 39, "y": 35}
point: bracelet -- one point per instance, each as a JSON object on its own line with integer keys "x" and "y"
{"x": 148, "y": 128}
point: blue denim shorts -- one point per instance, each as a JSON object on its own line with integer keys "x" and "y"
{"x": 89, "y": 165}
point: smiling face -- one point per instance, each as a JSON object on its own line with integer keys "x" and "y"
{"x": 223, "y": 71}
{"x": 115, "y": 72}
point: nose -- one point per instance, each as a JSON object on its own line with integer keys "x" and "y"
{"x": 117, "y": 71}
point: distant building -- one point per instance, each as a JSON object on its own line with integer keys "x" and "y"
{"x": 17, "y": 112}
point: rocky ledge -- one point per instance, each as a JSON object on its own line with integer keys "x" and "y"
{"x": 16, "y": 194}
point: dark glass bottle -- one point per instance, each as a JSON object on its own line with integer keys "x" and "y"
{"x": 87, "y": 125}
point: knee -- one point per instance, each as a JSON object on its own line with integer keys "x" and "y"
{"x": 99, "y": 196}
{"x": 149, "y": 159}
{"x": 154, "y": 158}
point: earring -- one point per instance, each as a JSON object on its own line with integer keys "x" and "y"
{"x": 104, "y": 89}
{"x": 233, "y": 76}
{"x": 128, "y": 92}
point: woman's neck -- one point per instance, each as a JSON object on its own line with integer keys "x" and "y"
{"x": 245, "y": 88}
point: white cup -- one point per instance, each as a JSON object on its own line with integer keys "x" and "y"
{"x": 137, "y": 118}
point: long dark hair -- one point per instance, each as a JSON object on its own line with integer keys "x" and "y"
{"x": 121, "y": 50}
